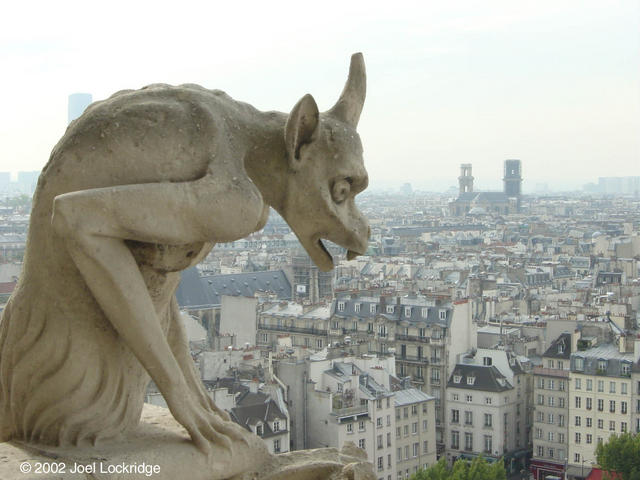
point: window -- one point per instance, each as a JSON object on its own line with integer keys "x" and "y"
{"x": 469, "y": 398}
{"x": 623, "y": 407}
{"x": 455, "y": 440}
{"x": 578, "y": 402}
{"x": 552, "y": 384}
{"x": 612, "y": 387}
{"x": 276, "y": 445}
{"x": 425, "y": 447}
{"x": 550, "y": 418}
{"x": 414, "y": 410}
{"x": 389, "y": 463}
{"x": 276, "y": 426}
{"x": 540, "y": 416}
{"x": 560, "y": 364}
{"x": 407, "y": 311}
{"x": 457, "y": 378}
{"x": 489, "y": 361}
{"x": 357, "y": 307}
{"x": 551, "y": 452}
{"x": 561, "y": 402}
{"x": 576, "y": 457}
{"x": 589, "y": 385}
{"x": 471, "y": 380}
{"x": 578, "y": 420}
{"x": 455, "y": 397}
{"x": 424, "y": 407}
{"x": 414, "y": 428}
{"x": 259, "y": 430}
{"x": 424, "y": 425}
{"x": 578, "y": 384}
{"x": 319, "y": 343}
{"x": 579, "y": 363}
{"x": 538, "y": 433}
{"x": 561, "y": 420}
{"x": 349, "y": 427}
{"x": 416, "y": 449}
{"x": 388, "y": 439}
{"x": 540, "y": 382}
{"x": 455, "y": 416}
{"x": 361, "y": 443}
{"x": 560, "y": 438}
{"x": 550, "y": 364}
{"x": 406, "y": 430}
{"x": 588, "y": 401}
{"x": 468, "y": 418}
{"x": 623, "y": 388}
{"x": 380, "y": 463}
{"x": 600, "y": 423}
{"x": 589, "y": 422}
{"x": 589, "y": 438}
{"x": 612, "y": 406}
{"x": 488, "y": 420}
{"x": 578, "y": 437}
{"x": 488, "y": 444}
{"x": 612, "y": 426}
{"x": 552, "y": 401}
{"x": 602, "y": 365}
{"x": 540, "y": 451}
{"x": 389, "y": 308}
{"x": 623, "y": 427}
{"x": 600, "y": 405}
{"x": 487, "y": 400}
{"x": 399, "y": 454}
{"x": 405, "y": 412}
{"x": 398, "y": 432}
{"x": 379, "y": 438}
{"x": 540, "y": 399}
{"x": 341, "y": 306}
{"x": 468, "y": 441}
{"x": 443, "y": 314}
{"x": 379, "y": 422}
{"x": 601, "y": 385}
{"x": 551, "y": 436}
{"x": 372, "y": 308}
{"x": 424, "y": 312}
{"x": 561, "y": 385}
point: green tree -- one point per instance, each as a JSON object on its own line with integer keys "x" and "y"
{"x": 621, "y": 453}
{"x": 478, "y": 469}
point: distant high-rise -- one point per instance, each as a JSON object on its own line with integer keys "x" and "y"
{"x": 465, "y": 179}
{"x": 77, "y": 104}
{"x": 512, "y": 178}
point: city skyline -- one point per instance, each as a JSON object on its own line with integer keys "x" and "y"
{"x": 555, "y": 86}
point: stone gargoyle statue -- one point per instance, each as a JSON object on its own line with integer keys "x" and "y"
{"x": 139, "y": 188}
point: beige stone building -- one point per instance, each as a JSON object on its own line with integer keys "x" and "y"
{"x": 415, "y": 431}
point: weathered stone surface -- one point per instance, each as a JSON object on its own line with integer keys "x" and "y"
{"x": 159, "y": 448}
{"x": 140, "y": 187}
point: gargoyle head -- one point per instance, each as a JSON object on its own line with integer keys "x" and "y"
{"x": 326, "y": 172}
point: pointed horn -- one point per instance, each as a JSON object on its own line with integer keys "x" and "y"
{"x": 349, "y": 105}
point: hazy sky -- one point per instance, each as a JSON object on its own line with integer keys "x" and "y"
{"x": 553, "y": 83}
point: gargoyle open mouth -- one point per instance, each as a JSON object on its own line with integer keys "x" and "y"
{"x": 351, "y": 254}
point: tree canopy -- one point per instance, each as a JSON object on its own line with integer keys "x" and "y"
{"x": 621, "y": 453}
{"x": 478, "y": 469}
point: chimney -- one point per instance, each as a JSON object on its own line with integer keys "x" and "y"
{"x": 253, "y": 386}
{"x": 636, "y": 349}
{"x": 575, "y": 336}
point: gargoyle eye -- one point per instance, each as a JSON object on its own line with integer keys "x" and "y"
{"x": 341, "y": 190}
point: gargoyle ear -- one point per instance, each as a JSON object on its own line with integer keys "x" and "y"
{"x": 301, "y": 125}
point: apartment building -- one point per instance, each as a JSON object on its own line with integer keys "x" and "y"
{"x": 600, "y": 396}
{"x": 415, "y": 431}
{"x": 482, "y": 416}
{"x": 551, "y": 410}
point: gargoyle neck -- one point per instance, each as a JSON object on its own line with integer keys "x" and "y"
{"x": 266, "y": 158}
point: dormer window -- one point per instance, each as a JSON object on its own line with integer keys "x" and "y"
{"x": 425, "y": 312}
{"x": 259, "y": 430}
{"x": 487, "y": 361}
{"x": 471, "y": 380}
{"x": 357, "y": 307}
{"x": 389, "y": 308}
{"x": 602, "y": 365}
{"x": 561, "y": 347}
{"x": 407, "y": 311}
{"x": 276, "y": 426}
{"x": 457, "y": 379}
{"x": 579, "y": 363}
{"x": 341, "y": 306}
{"x": 443, "y": 314}
{"x": 625, "y": 368}
{"x": 372, "y": 308}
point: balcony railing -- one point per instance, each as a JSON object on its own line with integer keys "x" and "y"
{"x": 350, "y": 411}
{"x": 283, "y": 328}
{"x": 551, "y": 372}
{"x": 412, "y": 338}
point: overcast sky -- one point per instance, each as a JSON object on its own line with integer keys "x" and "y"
{"x": 553, "y": 83}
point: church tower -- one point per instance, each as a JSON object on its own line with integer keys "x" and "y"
{"x": 465, "y": 180}
{"x": 512, "y": 178}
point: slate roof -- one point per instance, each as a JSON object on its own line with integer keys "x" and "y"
{"x": 207, "y": 291}
{"x": 487, "y": 378}
{"x": 560, "y": 347}
{"x": 410, "y": 396}
{"x": 254, "y": 408}
{"x": 399, "y": 312}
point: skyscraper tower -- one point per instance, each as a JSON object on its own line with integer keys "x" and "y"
{"x": 512, "y": 178}
{"x": 465, "y": 180}
{"x": 77, "y": 103}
